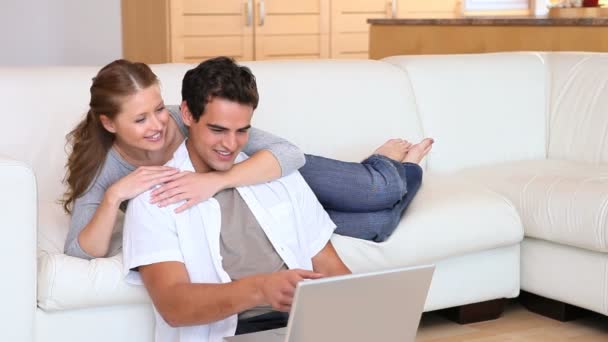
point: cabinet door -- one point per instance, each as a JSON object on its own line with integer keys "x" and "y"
{"x": 291, "y": 29}
{"x": 203, "y": 29}
{"x": 349, "y": 27}
{"x": 427, "y": 9}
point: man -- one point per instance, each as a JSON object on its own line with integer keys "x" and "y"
{"x": 241, "y": 253}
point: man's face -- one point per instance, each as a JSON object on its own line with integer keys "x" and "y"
{"x": 220, "y": 134}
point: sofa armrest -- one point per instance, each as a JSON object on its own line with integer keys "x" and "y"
{"x": 18, "y": 221}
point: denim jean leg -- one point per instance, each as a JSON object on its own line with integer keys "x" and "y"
{"x": 375, "y": 184}
{"x": 379, "y": 225}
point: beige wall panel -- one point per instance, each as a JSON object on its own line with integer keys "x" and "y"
{"x": 205, "y": 47}
{"x": 213, "y": 25}
{"x": 290, "y": 24}
{"x": 278, "y": 46}
{"x": 291, "y": 6}
{"x": 213, "y": 6}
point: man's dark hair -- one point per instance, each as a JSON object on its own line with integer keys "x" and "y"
{"x": 218, "y": 77}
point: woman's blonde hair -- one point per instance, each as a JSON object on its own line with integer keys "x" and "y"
{"x": 90, "y": 141}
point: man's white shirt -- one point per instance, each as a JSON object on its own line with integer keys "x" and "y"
{"x": 287, "y": 210}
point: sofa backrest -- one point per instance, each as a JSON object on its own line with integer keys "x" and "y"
{"x": 480, "y": 109}
{"x": 339, "y": 109}
{"x": 42, "y": 106}
{"x": 578, "y": 106}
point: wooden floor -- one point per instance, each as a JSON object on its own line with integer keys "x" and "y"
{"x": 516, "y": 324}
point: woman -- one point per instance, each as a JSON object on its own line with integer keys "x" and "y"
{"x": 128, "y": 132}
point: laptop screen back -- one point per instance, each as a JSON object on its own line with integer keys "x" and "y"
{"x": 379, "y": 306}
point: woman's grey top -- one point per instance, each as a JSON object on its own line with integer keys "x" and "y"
{"x": 115, "y": 167}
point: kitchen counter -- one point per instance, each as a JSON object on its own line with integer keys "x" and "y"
{"x": 414, "y": 36}
{"x": 502, "y": 21}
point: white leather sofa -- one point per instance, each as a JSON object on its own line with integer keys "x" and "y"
{"x": 521, "y": 146}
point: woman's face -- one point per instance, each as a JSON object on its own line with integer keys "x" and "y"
{"x": 142, "y": 122}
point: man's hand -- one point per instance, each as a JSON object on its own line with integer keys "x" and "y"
{"x": 328, "y": 262}
{"x": 278, "y": 288}
{"x": 192, "y": 187}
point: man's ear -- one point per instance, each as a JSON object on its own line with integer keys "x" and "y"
{"x": 107, "y": 123}
{"x": 186, "y": 115}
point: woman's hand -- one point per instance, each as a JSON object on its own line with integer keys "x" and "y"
{"x": 192, "y": 187}
{"x": 140, "y": 180}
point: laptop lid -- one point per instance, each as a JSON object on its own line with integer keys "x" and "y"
{"x": 376, "y": 306}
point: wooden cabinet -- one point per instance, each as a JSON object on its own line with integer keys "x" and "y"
{"x": 349, "y": 28}
{"x": 291, "y": 29}
{"x": 159, "y": 31}
{"x": 162, "y": 31}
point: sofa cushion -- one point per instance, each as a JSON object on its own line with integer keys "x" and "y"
{"x": 578, "y": 103}
{"x": 448, "y": 217}
{"x": 65, "y": 282}
{"x": 559, "y": 201}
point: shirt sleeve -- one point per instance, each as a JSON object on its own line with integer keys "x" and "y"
{"x": 316, "y": 222}
{"x": 290, "y": 156}
{"x": 82, "y": 213}
{"x": 149, "y": 236}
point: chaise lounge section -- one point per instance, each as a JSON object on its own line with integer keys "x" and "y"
{"x": 521, "y": 147}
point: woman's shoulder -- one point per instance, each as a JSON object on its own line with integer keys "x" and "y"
{"x": 176, "y": 114}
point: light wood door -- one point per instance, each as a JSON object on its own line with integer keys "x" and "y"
{"x": 349, "y": 27}
{"x": 203, "y": 29}
{"x": 291, "y": 29}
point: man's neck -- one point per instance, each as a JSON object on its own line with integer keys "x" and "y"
{"x": 199, "y": 165}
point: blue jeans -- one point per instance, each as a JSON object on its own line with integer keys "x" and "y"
{"x": 365, "y": 200}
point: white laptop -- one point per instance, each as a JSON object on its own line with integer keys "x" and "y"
{"x": 378, "y": 306}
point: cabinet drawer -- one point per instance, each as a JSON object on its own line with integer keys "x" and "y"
{"x": 213, "y": 6}
{"x": 359, "y": 6}
{"x": 287, "y": 46}
{"x": 351, "y": 43}
{"x": 206, "y": 47}
{"x": 291, "y": 6}
{"x": 213, "y": 25}
{"x": 290, "y": 24}
{"x": 355, "y": 22}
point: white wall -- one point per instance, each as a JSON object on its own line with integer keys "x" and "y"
{"x": 59, "y": 32}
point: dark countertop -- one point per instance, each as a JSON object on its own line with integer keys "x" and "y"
{"x": 496, "y": 21}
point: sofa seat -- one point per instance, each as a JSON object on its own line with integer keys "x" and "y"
{"x": 65, "y": 282}
{"x": 448, "y": 217}
{"x": 565, "y": 202}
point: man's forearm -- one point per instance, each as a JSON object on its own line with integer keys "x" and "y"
{"x": 186, "y": 304}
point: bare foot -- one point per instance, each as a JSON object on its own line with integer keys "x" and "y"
{"x": 418, "y": 151}
{"x": 394, "y": 149}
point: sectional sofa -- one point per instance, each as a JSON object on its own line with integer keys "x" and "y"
{"x": 514, "y": 197}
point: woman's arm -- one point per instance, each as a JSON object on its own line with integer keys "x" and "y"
{"x": 95, "y": 212}
{"x": 271, "y": 158}
{"x": 289, "y": 157}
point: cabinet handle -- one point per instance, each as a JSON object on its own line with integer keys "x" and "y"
{"x": 394, "y": 8}
{"x": 262, "y": 12}
{"x": 249, "y": 12}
